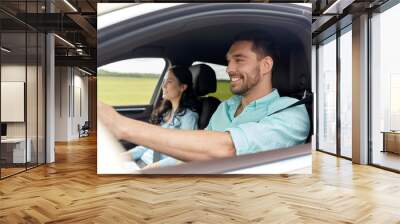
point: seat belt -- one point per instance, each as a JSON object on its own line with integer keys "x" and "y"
{"x": 307, "y": 98}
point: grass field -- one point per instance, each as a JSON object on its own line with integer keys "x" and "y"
{"x": 120, "y": 91}
{"x": 223, "y": 90}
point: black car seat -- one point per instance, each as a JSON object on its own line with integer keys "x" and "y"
{"x": 291, "y": 77}
{"x": 204, "y": 82}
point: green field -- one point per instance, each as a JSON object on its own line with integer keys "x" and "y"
{"x": 223, "y": 90}
{"x": 118, "y": 91}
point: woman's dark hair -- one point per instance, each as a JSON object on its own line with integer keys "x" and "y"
{"x": 188, "y": 99}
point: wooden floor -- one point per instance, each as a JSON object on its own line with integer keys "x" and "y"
{"x": 70, "y": 191}
{"x": 387, "y": 159}
{"x": 5, "y": 172}
{"x": 10, "y": 171}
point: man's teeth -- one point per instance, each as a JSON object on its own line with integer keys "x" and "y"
{"x": 234, "y": 79}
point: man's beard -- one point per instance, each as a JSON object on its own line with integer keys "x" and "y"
{"x": 247, "y": 84}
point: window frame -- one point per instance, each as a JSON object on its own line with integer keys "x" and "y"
{"x": 333, "y": 37}
{"x": 379, "y": 10}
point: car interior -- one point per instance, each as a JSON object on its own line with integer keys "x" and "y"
{"x": 290, "y": 75}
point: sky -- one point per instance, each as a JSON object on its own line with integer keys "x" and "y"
{"x": 153, "y": 65}
{"x": 137, "y": 65}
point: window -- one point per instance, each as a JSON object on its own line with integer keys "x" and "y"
{"x": 327, "y": 95}
{"x": 129, "y": 82}
{"x": 385, "y": 86}
{"x": 223, "y": 82}
{"x": 345, "y": 93}
{"x": 394, "y": 102}
{"x": 22, "y": 74}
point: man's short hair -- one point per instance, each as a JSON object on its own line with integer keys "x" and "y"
{"x": 262, "y": 44}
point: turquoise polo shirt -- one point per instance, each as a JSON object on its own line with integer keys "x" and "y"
{"x": 255, "y": 130}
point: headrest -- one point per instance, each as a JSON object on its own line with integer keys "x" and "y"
{"x": 290, "y": 75}
{"x": 204, "y": 79}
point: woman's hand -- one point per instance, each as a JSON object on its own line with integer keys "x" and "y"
{"x": 110, "y": 118}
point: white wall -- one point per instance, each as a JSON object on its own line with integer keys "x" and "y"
{"x": 33, "y": 126}
{"x": 13, "y": 73}
{"x": 71, "y": 94}
{"x": 61, "y": 103}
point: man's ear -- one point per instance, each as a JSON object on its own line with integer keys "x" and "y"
{"x": 266, "y": 65}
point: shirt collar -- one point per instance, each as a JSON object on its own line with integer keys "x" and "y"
{"x": 175, "y": 122}
{"x": 261, "y": 102}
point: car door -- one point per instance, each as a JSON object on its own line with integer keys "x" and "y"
{"x": 132, "y": 86}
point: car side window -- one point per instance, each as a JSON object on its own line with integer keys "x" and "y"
{"x": 223, "y": 87}
{"x": 129, "y": 82}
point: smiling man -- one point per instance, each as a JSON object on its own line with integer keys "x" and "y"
{"x": 247, "y": 115}
{"x": 245, "y": 123}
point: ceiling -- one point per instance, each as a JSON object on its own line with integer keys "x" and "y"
{"x": 76, "y": 22}
{"x": 75, "y": 25}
